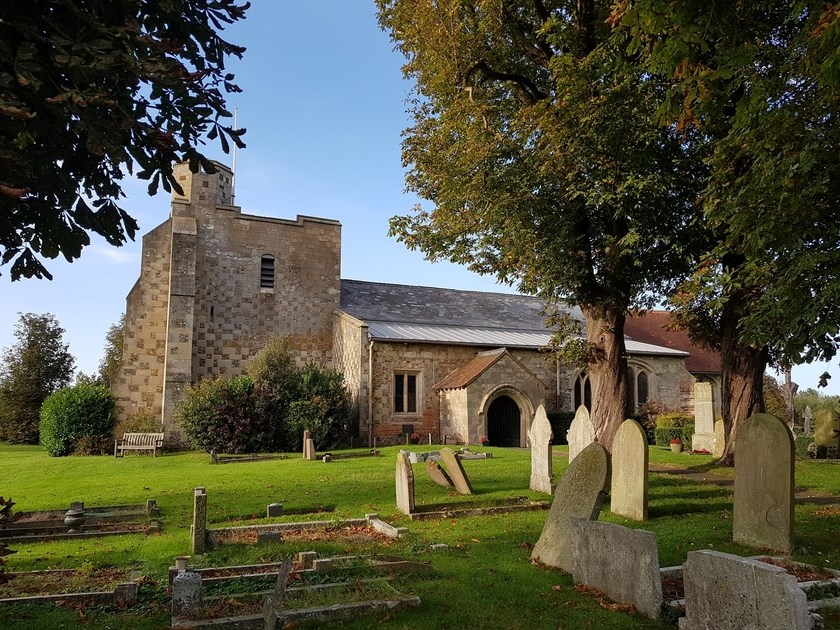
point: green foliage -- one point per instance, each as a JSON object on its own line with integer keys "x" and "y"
{"x": 6, "y": 517}
{"x": 774, "y": 401}
{"x": 79, "y": 414}
{"x": 89, "y": 92}
{"x": 534, "y": 140}
{"x": 268, "y": 410}
{"x": 802, "y": 442}
{"x": 674, "y": 425}
{"x": 110, "y": 363}
{"x": 323, "y": 407}
{"x": 37, "y": 365}
{"x": 141, "y": 422}
{"x": 221, "y": 415}
{"x": 816, "y": 400}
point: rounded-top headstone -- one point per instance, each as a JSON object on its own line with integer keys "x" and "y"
{"x": 540, "y": 435}
{"x": 579, "y": 494}
{"x": 581, "y": 432}
{"x": 629, "y": 490}
{"x": 763, "y": 501}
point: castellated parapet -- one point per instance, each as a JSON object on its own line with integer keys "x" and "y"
{"x": 215, "y": 285}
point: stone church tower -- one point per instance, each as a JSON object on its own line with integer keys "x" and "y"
{"x": 215, "y": 285}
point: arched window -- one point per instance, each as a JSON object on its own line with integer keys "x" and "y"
{"x": 583, "y": 391}
{"x": 638, "y": 388}
{"x": 267, "y": 272}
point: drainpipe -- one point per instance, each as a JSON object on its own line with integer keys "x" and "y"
{"x": 370, "y": 394}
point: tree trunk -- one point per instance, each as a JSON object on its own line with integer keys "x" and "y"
{"x": 743, "y": 375}
{"x": 607, "y": 371}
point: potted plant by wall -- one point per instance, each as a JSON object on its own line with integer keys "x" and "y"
{"x": 484, "y": 441}
{"x": 677, "y": 445}
{"x": 414, "y": 438}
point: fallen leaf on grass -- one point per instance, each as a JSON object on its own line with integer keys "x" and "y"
{"x": 603, "y": 602}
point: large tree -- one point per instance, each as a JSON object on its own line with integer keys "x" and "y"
{"x": 90, "y": 91}
{"x": 762, "y": 81}
{"x": 533, "y": 138}
{"x": 38, "y": 364}
{"x": 110, "y": 363}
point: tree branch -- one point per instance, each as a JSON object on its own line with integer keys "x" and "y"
{"x": 527, "y": 88}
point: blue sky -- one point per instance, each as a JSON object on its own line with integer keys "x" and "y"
{"x": 324, "y": 105}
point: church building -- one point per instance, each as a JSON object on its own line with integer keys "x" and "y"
{"x": 216, "y": 284}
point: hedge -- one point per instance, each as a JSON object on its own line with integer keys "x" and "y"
{"x": 79, "y": 418}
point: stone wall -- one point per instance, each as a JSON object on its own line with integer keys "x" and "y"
{"x": 431, "y": 363}
{"x": 208, "y": 307}
{"x": 349, "y": 350}
{"x": 670, "y": 383}
{"x": 138, "y": 385}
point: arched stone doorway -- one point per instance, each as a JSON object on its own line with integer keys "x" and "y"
{"x": 504, "y": 422}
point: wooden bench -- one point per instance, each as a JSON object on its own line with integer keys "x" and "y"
{"x": 138, "y": 442}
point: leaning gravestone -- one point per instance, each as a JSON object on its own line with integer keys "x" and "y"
{"x": 405, "y": 484}
{"x": 581, "y": 432}
{"x": 763, "y": 503}
{"x": 727, "y": 592}
{"x": 540, "y": 435}
{"x": 629, "y": 490}
{"x": 704, "y": 419}
{"x": 827, "y": 429}
{"x": 720, "y": 439}
{"x": 620, "y": 562}
{"x": 580, "y": 494}
{"x": 273, "y": 604}
{"x": 438, "y": 474}
{"x": 455, "y": 470}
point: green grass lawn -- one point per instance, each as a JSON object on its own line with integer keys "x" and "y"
{"x": 485, "y": 579}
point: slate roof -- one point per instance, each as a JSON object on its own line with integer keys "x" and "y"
{"x": 652, "y": 328}
{"x": 407, "y": 313}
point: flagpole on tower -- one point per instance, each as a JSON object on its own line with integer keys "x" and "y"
{"x": 233, "y": 166}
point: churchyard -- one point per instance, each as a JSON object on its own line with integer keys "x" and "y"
{"x": 478, "y": 571}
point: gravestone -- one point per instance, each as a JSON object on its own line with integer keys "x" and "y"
{"x": 438, "y": 474}
{"x": 273, "y": 604}
{"x": 308, "y": 447}
{"x": 581, "y": 432}
{"x": 727, "y": 592}
{"x": 540, "y": 435}
{"x": 763, "y": 502}
{"x": 808, "y": 417}
{"x": 274, "y": 509}
{"x": 704, "y": 419}
{"x": 187, "y": 599}
{"x": 629, "y": 488}
{"x": 580, "y": 494}
{"x": 720, "y": 438}
{"x": 620, "y": 562}
{"x": 405, "y": 484}
{"x": 198, "y": 531}
{"x": 455, "y": 470}
{"x": 305, "y": 442}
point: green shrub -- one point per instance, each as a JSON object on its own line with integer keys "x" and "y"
{"x": 143, "y": 421}
{"x": 70, "y": 415}
{"x": 802, "y": 442}
{"x": 323, "y": 407}
{"x": 674, "y": 425}
{"x": 222, "y": 415}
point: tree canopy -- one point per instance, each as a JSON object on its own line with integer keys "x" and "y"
{"x": 534, "y": 138}
{"x": 762, "y": 82}
{"x": 36, "y": 366}
{"x": 90, "y": 91}
{"x": 111, "y": 361}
